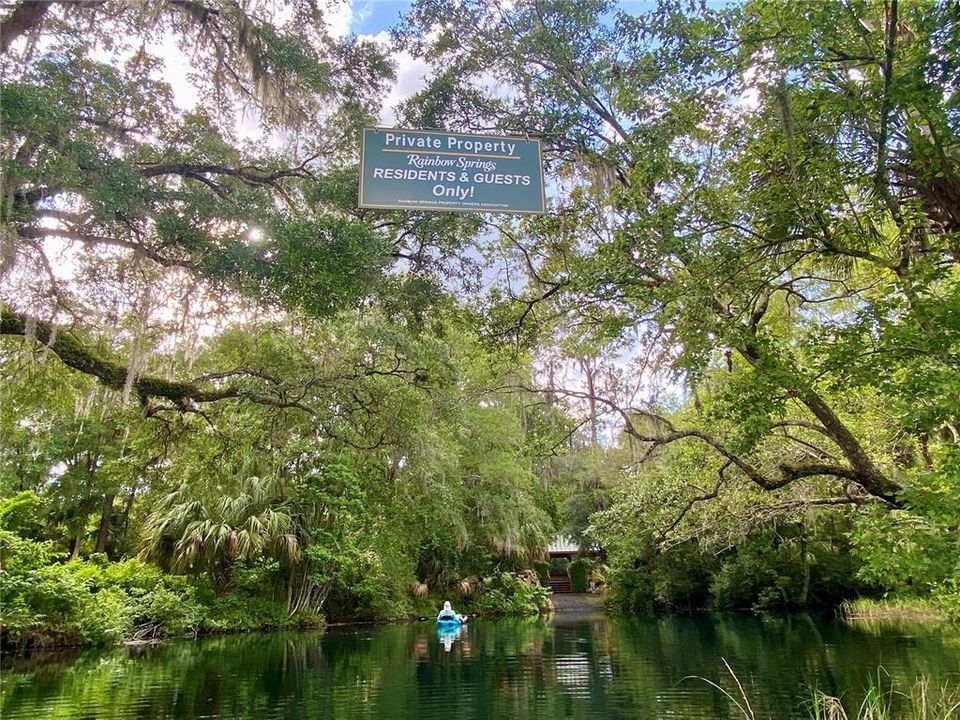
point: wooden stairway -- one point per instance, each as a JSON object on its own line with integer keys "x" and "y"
{"x": 560, "y": 582}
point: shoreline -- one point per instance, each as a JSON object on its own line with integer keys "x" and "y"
{"x": 861, "y": 610}
{"x": 892, "y": 610}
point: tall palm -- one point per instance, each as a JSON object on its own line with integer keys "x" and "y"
{"x": 186, "y": 534}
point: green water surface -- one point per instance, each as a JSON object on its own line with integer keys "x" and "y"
{"x": 587, "y": 667}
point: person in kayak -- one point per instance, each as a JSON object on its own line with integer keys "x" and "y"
{"x": 448, "y": 613}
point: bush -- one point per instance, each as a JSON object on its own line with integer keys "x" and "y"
{"x": 365, "y": 585}
{"x": 578, "y": 572}
{"x": 630, "y": 591}
{"x": 19, "y": 555}
{"x": 20, "y": 514}
{"x": 658, "y": 580}
{"x": 747, "y": 579}
{"x": 598, "y": 576}
{"x": 902, "y": 551}
{"x": 947, "y": 597}
{"x": 239, "y": 612}
{"x": 510, "y": 594}
{"x": 132, "y": 575}
{"x": 793, "y": 568}
{"x": 104, "y": 618}
{"x": 39, "y": 602}
{"x": 90, "y": 602}
{"x": 162, "y": 612}
{"x": 543, "y": 572}
{"x": 427, "y": 606}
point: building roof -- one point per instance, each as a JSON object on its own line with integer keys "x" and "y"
{"x": 563, "y": 544}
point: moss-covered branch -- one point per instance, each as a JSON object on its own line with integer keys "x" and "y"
{"x": 74, "y": 353}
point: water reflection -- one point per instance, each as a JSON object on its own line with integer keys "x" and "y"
{"x": 567, "y": 667}
{"x": 448, "y": 635}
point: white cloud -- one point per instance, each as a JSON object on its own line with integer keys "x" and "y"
{"x": 412, "y": 75}
{"x": 363, "y": 12}
{"x": 339, "y": 17}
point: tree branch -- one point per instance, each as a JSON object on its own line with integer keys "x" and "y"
{"x": 251, "y": 176}
{"x": 864, "y": 475}
{"x": 694, "y": 500}
{"x": 87, "y": 239}
{"x": 25, "y": 16}
{"x": 816, "y": 502}
{"x": 803, "y": 424}
{"x": 74, "y": 354}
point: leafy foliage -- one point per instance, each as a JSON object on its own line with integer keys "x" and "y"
{"x": 511, "y": 594}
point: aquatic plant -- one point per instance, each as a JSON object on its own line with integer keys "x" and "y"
{"x": 744, "y": 708}
{"x": 923, "y": 701}
{"x": 881, "y": 700}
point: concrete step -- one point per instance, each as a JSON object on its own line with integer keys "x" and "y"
{"x": 577, "y": 604}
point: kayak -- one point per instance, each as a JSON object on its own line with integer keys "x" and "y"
{"x": 449, "y": 622}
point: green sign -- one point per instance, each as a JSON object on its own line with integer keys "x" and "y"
{"x": 433, "y": 170}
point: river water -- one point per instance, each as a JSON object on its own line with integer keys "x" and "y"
{"x": 568, "y": 667}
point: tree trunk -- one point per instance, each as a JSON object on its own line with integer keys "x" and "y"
{"x": 924, "y": 440}
{"x": 589, "y": 369}
{"x": 290, "y": 592}
{"x": 128, "y": 507}
{"x": 106, "y": 515}
{"x": 805, "y": 590}
{"x": 872, "y": 480}
{"x": 223, "y": 578}
{"x": 868, "y": 474}
{"x": 75, "y": 547}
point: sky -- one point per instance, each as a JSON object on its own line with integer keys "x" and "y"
{"x": 369, "y": 17}
{"x": 374, "y": 19}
